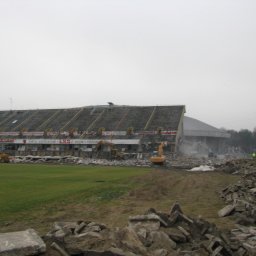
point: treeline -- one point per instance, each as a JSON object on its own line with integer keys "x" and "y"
{"x": 244, "y": 139}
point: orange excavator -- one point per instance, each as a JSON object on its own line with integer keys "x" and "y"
{"x": 158, "y": 156}
{"x": 4, "y": 158}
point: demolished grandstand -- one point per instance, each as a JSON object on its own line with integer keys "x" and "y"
{"x": 88, "y": 131}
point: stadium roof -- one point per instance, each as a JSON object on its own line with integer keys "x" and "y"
{"x": 93, "y": 118}
{"x": 196, "y": 128}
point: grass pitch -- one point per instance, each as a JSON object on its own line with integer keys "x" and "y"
{"x": 34, "y": 196}
{"x": 25, "y": 187}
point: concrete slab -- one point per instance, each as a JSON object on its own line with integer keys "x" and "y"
{"x": 22, "y": 243}
{"x": 227, "y": 210}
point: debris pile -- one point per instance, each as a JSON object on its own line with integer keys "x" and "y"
{"x": 241, "y": 203}
{"x": 186, "y": 163}
{"x": 178, "y": 162}
{"x": 246, "y": 236}
{"x": 128, "y": 162}
{"x": 241, "y": 199}
{"x": 80, "y": 161}
{"x": 153, "y": 234}
{"x": 238, "y": 166}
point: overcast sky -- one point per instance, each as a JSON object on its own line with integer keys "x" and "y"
{"x": 198, "y": 53}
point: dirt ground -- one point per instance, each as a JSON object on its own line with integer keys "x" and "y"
{"x": 197, "y": 193}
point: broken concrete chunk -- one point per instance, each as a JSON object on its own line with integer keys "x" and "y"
{"x": 119, "y": 252}
{"x": 229, "y": 198}
{"x": 175, "y": 208}
{"x": 129, "y": 239}
{"x": 183, "y": 231}
{"x": 253, "y": 190}
{"x": 22, "y": 243}
{"x": 148, "y": 217}
{"x": 150, "y": 222}
{"x": 59, "y": 249}
{"x": 59, "y": 234}
{"x": 151, "y": 216}
{"x": 160, "y": 252}
{"x": 241, "y": 251}
{"x": 227, "y": 210}
{"x": 79, "y": 228}
{"x": 150, "y": 225}
{"x": 240, "y": 208}
{"x": 186, "y": 219}
{"x": 252, "y": 230}
{"x": 164, "y": 219}
{"x": 67, "y": 227}
{"x": 174, "y": 217}
{"x": 90, "y": 234}
{"x": 244, "y": 220}
{"x": 162, "y": 240}
{"x": 95, "y": 228}
{"x": 217, "y": 251}
{"x": 175, "y": 234}
{"x": 250, "y": 249}
{"x": 142, "y": 232}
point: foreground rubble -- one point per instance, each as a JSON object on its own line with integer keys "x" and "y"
{"x": 241, "y": 203}
{"x": 153, "y": 234}
{"x": 150, "y": 234}
{"x": 241, "y": 199}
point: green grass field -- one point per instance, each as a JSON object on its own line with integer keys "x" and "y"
{"x": 25, "y": 187}
{"x": 34, "y": 196}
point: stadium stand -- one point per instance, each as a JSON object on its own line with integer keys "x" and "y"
{"x": 124, "y": 125}
{"x": 15, "y": 119}
{"x": 166, "y": 118}
{"x": 137, "y": 118}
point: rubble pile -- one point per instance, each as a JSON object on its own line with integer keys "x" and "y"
{"x": 178, "y": 162}
{"x": 128, "y": 162}
{"x": 247, "y": 236}
{"x": 187, "y": 163}
{"x": 80, "y": 161}
{"x": 241, "y": 199}
{"x": 153, "y": 234}
{"x": 183, "y": 162}
{"x": 241, "y": 203}
{"x": 238, "y": 166}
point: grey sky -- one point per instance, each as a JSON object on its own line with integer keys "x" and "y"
{"x": 200, "y": 53}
